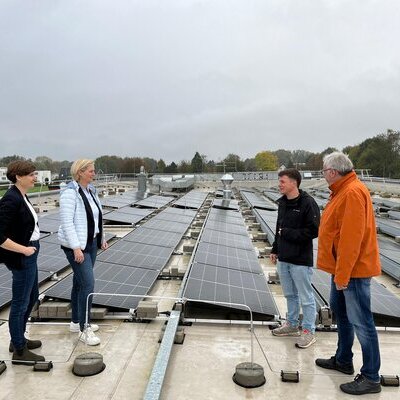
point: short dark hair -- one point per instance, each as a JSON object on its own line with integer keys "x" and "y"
{"x": 291, "y": 173}
{"x": 20, "y": 168}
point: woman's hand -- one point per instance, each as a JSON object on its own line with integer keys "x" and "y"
{"x": 104, "y": 246}
{"x": 29, "y": 250}
{"x": 78, "y": 256}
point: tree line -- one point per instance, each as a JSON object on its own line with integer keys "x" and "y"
{"x": 380, "y": 154}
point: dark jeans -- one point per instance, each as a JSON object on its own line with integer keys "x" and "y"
{"x": 352, "y": 308}
{"x": 25, "y": 293}
{"x": 83, "y": 283}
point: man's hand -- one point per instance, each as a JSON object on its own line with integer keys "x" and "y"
{"x": 340, "y": 287}
{"x": 273, "y": 257}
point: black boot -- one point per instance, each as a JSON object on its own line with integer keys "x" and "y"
{"x": 31, "y": 344}
{"x": 25, "y": 356}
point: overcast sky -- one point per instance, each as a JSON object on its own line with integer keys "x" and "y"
{"x": 167, "y": 78}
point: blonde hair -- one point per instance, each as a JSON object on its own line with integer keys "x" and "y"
{"x": 80, "y": 166}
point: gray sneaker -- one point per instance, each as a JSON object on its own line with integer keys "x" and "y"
{"x": 286, "y": 330}
{"x": 306, "y": 339}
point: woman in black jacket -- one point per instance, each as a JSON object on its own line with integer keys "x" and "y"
{"x": 19, "y": 247}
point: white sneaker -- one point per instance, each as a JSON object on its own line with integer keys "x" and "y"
{"x": 75, "y": 327}
{"x": 89, "y": 338}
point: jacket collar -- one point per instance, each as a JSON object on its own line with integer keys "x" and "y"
{"x": 300, "y": 196}
{"x": 342, "y": 183}
{"x": 75, "y": 185}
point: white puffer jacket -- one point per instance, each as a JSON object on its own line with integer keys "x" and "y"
{"x": 72, "y": 232}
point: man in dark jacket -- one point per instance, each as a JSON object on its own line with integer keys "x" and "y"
{"x": 296, "y": 227}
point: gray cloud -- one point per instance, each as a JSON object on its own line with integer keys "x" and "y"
{"x": 167, "y": 78}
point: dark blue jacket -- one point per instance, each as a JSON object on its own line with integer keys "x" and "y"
{"x": 296, "y": 227}
{"x": 16, "y": 223}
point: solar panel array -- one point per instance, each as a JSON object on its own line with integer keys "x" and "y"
{"x": 385, "y": 305}
{"x": 122, "y": 200}
{"x": 6, "y": 284}
{"x": 389, "y": 227}
{"x": 51, "y": 260}
{"x": 50, "y": 222}
{"x": 194, "y": 199}
{"x": 383, "y": 302}
{"x": 223, "y": 271}
{"x": 256, "y": 200}
{"x": 390, "y": 257}
{"x": 155, "y": 201}
{"x": 127, "y": 215}
{"x": 221, "y": 203}
{"x": 131, "y": 265}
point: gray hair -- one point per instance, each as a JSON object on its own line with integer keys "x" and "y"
{"x": 338, "y": 161}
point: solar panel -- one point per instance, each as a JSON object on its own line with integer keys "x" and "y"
{"x": 50, "y": 215}
{"x": 228, "y": 228}
{"x": 124, "y": 218}
{"x": 389, "y": 227}
{"x": 154, "y": 237}
{"x": 267, "y": 221}
{"x": 111, "y": 278}
{"x": 185, "y": 219}
{"x": 218, "y": 212}
{"x": 155, "y": 201}
{"x": 136, "y": 255}
{"x": 53, "y": 238}
{"x": 6, "y": 284}
{"x": 114, "y": 203}
{"x": 227, "y": 257}
{"x": 48, "y": 225}
{"x": 211, "y": 283}
{"x": 227, "y": 239}
{"x": 226, "y": 219}
{"x": 179, "y": 211}
{"x": 255, "y": 200}
{"x": 220, "y": 203}
{"x": 167, "y": 226}
{"x": 191, "y": 200}
{"x": 382, "y": 301}
{"x": 51, "y": 257}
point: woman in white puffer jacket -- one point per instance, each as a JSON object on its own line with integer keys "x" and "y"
{"x": 81, "y": 235}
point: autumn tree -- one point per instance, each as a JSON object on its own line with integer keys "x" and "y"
{"x": 266, "y": 161}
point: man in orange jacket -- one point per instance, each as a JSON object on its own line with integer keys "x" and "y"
{"x": 348, "y": 249}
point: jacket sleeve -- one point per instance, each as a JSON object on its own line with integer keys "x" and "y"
{"x": 352, "y": 229}
{"x": 310, "y": 228}
{"x": 8, "y": 210}
{"x": 67, "y": 215}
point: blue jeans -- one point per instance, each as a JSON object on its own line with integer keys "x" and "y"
{"x": 25, "y": 293}
{"x": 352, "y": 308}
{"x": 297, "y": 289}
{"x": 83, "y": 283}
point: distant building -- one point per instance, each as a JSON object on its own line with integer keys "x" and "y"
{"x": 44, "y": 177}
{"x": 3, "y": 175}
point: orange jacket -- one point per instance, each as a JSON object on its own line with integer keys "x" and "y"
{"x": 347, "y": 242}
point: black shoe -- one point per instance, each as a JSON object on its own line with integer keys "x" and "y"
{"x": 361, "y": 385}
{"x": 330, "y": 363}
{"x": 26, "y": 357}
{"x": 31, "y": 344}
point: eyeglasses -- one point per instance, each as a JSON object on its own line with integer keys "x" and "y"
{"x": 322, "y": 171}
